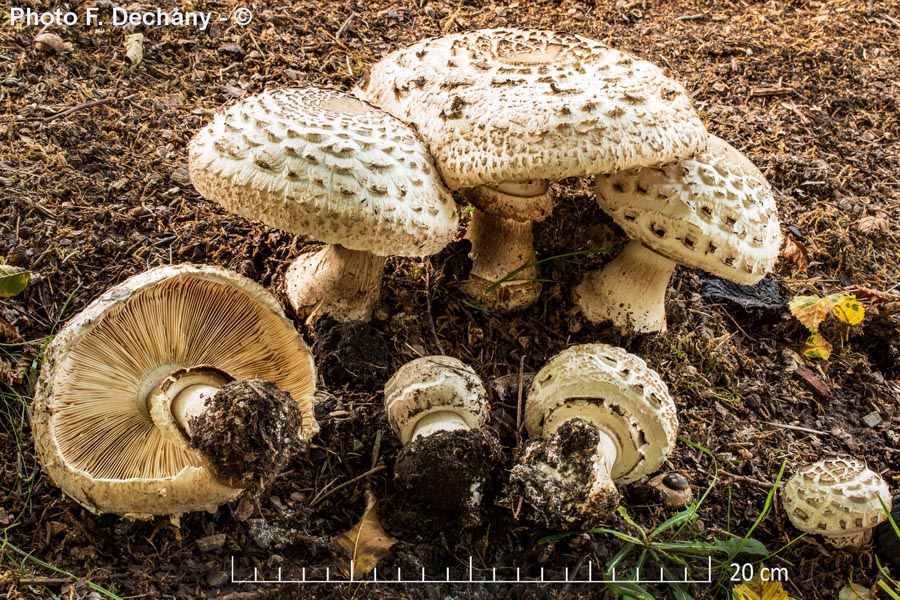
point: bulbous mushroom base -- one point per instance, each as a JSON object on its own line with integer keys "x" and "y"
{"x": 449, "y": 471}
{"x": 504, "y": 275}
{"x": 248, "y": 433}
{"x": 562, "y": 481}
{"x": 335, "y": 281}
{"x": 630, "y": 291}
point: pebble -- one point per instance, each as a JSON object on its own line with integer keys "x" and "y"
{"x": 211, "y": 542}
{"x": 872, "y": 419}
{"x": 217, "y": 578}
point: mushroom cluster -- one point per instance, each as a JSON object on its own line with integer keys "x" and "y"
{"x": 139, "y": 394}
{"x": 507, "y": 111}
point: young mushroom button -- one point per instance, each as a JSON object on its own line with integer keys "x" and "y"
{"x": 507, "y": 111}
{"x": 713, "y": 211}
{"x": 597, "y": 416}
{"x": 171, "y": 393}
{"x": 438, "y": 408}
{"x": 321, "y": 163}
{"x": 838, "y": 498}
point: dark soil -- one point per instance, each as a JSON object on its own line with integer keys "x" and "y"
{"x": 94, "y": 188}
{"x": 249, "y": 432}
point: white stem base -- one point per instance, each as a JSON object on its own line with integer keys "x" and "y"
{"x": 603, "y": 489}
{"x": 630, "y": 291}
{"x": 441, "y": 420}
{"x": 342, "y": 283}
{"x": 502, "y": 250}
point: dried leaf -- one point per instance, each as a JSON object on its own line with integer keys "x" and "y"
{"x": 795, "y": 252}
{"x": 873, "y": 224}
{"x": 46, "y": 42}
{"x": 817, "y": 347}
{"x": 364, "y": 544}
{"x": 13, "y": 280}
{"x": 849, "y": 311}
{"x": 757, "y": 589}
{"x": 812, "y": 310}
{"x": 134, "y": 48}
{"x": 8, "y": 333}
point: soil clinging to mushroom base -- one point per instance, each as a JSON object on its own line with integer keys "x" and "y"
{"x": 248, "y": 433}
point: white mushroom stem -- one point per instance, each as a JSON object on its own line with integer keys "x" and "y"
{"x": 441, "y": 420}
{"x": 630, "y": 291}
{"x": 181, "y": 397}
{"x": 602, "y": 485}
{"x": 342, "y": 283}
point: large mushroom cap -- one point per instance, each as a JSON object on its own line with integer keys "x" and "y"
{"x": 714, "y": 211}
{"x": 432, "y": 384}
{"x": 837, "y": 497}
{"x": 324, "y": 164}
{"x": 615, "y": 391}
{"x": 501, "y": 105}
{"x": 92, "y": 425}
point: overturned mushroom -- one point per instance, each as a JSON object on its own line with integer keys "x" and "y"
{"x": 507, "y": 111}
{"x": 838, "y": 498}
{"x": 324, "y": 164}
{"x": 597, "y": 416}
{"x": 172, "y": 360}
{"x": 438, "y": 408}
{"x": 714, "y": 211}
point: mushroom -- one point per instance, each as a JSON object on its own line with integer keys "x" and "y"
{"x": 171, "y": 360}
{"x": 672, "y": 489}
{"x": 506, "y": 111}
{"x": 598, "y": 416}
{"x": 838, "y": 498}
{"x": 713, "y": 211}
{"x": 324, "y": 164}
{"x": 437, "y": 406}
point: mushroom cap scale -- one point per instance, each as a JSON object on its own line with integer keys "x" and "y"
{"x": 434, "y": 384}
{"x": 499, "y": 105}
{"x": 322, "y": 163}
{"x": 714, "y": 211}
{"x": 92, "y": 425}
{"x": 618, "y": 393}
{"x": 835, "y": 497}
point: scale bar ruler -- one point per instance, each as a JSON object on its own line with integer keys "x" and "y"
{"x": 471, "y": 579}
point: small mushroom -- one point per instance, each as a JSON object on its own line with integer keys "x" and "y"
{"x": 321, "y": 163}
{"x": 437, "y": 406}
{"x": 507, "y": 111}
{"x": 173, "y": 392}
{"x": 598, "y": 416}
{"x": 672, "y": 489}
{"x": 838, "y": 498}
{"x": 713, "y": 211}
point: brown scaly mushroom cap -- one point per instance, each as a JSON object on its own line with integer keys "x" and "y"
{"x": 837, "y": 498}
{"x": 599, "y": 416}
{"x": 108, "y": 420}
{"x": 506, "y": 111}
{"x": 714, "y": 211}
{"x": 321, "y": 163}
{"x": 438, "y": 407}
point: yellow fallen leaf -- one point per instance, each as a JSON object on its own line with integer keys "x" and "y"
{"x": 13, "y": 280}
{"x": 817, "y": 346}
{"x": 757, "y": 589}
{"x": 364, "y": 544}
{"x": 849, "y": 311}
{"x": 812, "y": 310}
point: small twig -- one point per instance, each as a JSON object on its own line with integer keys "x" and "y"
{"x": 69, "y": 111}
{"x": 521, "y": 396}
{"x": 696, "y": 17}
{"x": 760, "y": 483}
{"x": 343, "y": 27}
{"x": 437, "y": 340}
{"x": 325, "y": 493}
{"x": 796, "y": 428}
{"x": 46, "y": 581}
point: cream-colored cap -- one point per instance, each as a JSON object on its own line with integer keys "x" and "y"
{"x": 322, "y": 163}
{"x": 434, "y": 384}
{"x": 837, "y": 497}
{"x": 505, "y": 105}
{"x": 615, "y": 391}
{"x": 714, "y": 211}
{"x": 93, "y": 430}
